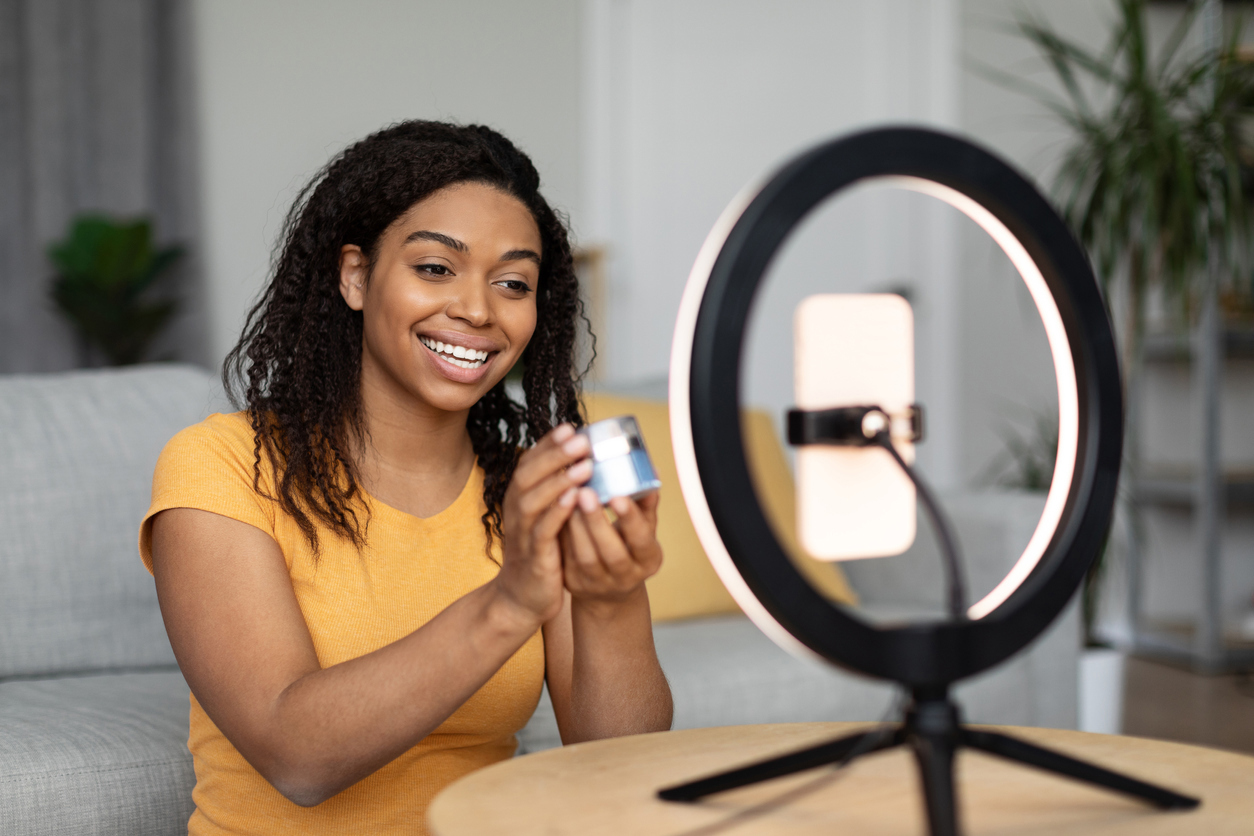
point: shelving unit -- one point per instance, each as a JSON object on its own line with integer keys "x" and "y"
{"x": 1180, "y": 489}
{"x": 1208, "y": 491}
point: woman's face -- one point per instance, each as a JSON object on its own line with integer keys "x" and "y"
{"x": 450, "y": 302}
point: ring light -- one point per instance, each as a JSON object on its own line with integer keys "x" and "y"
{"x": 704, "y": 397}
{"x": 717, "y": 487}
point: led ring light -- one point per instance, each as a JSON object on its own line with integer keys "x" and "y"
{"x": 926, "y": 657}
{"x": 705, "y": 407}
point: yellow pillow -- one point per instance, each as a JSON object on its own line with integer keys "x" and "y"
{"x": 687, "y": 586}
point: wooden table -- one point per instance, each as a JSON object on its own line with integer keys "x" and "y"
{"x": 608, "y": 787}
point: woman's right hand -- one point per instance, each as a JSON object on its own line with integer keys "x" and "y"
{"x": 540, "y": 499}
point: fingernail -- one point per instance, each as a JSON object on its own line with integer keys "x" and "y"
{"x": 580, "y": 472}
{"x": 619, "y": 504}
{"x": 577, "y": 446}
{"x": 567, "y": 499}
{"x": 563, "y": 432}
{"x": 588, "y": 501}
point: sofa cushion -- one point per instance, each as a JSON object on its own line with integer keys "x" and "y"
{"x": 95, "y": 755}
{"x": 723, "y": 671}
{"x": 77, "y": 452}
{"x": 992, "y": 527}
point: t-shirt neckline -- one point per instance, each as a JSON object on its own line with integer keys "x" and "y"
{"x": 435, "y": 519}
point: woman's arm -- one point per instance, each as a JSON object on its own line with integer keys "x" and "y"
{"x": 243, "y": 646}
{"x": 602, "y": 669}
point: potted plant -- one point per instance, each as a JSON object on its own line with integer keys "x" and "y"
{"x": 107, "y": 272}
{"x": 1152, "y": 181}
{"x": 1151, "y": 184}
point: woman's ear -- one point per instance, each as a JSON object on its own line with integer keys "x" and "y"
{"x": 353, "y": 268}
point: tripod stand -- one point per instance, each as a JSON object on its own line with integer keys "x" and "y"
{"x": 933, "y": 729}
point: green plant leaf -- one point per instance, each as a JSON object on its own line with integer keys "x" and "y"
{"x": 1151, "y": 182}
{"x": 106, "y": 270}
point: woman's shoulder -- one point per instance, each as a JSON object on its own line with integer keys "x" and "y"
{"x": 210, "y": 467}
{"x": 212, "y": 461}
{"x": 219, "y": 437}
{"x": 218, "y": 446}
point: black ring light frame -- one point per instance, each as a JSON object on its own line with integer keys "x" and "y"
{"x": 717, "y": 486}
{"x": 943, "y": 652}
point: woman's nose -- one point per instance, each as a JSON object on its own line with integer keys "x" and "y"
{"x": 470, "y": 302}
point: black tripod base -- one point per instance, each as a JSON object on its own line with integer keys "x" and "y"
{"x": 931, "y": 728}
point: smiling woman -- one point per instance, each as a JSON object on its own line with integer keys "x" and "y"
{"x": 368, "y": 572}
{"x": 452, "y": 288}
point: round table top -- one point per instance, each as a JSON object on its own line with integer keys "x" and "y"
{"x": 609, "y": 787}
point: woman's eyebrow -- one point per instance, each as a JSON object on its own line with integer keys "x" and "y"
{"x": 439, "y": 238}
{"x": 515, "y": 255}
{"x": 453, "y": 244}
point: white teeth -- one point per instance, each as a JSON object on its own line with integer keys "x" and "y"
{"x": 458, "y": 355}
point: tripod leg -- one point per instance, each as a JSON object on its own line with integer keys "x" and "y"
{"x": 1018, "y": 750}
{"x": 933, "y": 733}
{"x": 832, "y": 752}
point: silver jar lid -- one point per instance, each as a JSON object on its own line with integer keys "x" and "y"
{"x": 614, "y": 437}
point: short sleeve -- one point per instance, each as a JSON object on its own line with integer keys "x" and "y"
{"x": 209, "y": 466}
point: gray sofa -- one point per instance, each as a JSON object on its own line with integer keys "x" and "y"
{"x": 93, "y": 711}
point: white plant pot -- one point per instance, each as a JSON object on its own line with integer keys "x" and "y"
{"x": 1101, "y": 690}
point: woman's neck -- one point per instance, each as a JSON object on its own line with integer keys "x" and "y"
{"x": 413, "y": 457}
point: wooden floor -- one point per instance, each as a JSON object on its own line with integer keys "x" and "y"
{"x": 1173, "y": 704}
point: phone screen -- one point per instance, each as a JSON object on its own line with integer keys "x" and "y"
{"x": 854, "y": 350}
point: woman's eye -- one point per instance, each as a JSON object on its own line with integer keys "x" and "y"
{"x": 434, "y": 269}
{"x": 516, "y": 285}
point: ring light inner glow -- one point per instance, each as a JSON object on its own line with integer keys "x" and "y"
{"x": 680, "y": 409}
{"x": 681, "y": 432}
{"x": 1064, "y": 371}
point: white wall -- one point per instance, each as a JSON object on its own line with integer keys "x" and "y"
{"x": 690, "y": 101}
{"x": 645, "y": 117}
{"x": 282, "y": 85}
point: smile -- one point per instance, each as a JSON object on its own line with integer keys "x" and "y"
{"x": 458, "y": 355}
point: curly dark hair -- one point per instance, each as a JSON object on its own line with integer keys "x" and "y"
{"x": 296, "y": 369}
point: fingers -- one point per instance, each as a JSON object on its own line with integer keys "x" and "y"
{"x": 649, "y": 505}
{"x": 539, "y": 501}
{"x": 534, "y": 501}
{"x": 581, "y": 558}
{"x": 563, "y": 539}
{"x": 549, "y": 526}
{"x": 634, "y": 522}
{"x": 607, "y": 560}
{"x": 609, "y": 546}
{"x": 556, "y": 450}
{"x": 544, "y": 473}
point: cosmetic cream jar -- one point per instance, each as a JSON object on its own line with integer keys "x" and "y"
{"x": 620, "y": 463}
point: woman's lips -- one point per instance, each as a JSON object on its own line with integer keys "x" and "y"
{"x": 454, "y": 372}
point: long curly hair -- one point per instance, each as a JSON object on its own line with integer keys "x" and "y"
{"x": 296, "y": 369}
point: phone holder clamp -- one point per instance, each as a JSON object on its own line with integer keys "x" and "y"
{"x": 853, "y": 426}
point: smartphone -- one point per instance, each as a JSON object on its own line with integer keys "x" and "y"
{"x": 854, "y": 350}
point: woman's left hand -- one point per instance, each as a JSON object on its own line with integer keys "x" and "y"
{"x": 609, "y": 561}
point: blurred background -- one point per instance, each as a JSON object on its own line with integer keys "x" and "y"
{"x": 149, "y": 150}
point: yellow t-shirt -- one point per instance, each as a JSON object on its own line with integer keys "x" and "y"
{"x": 353, "y": 603}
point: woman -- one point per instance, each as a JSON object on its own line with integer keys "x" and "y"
{"x": 363, "y": 579}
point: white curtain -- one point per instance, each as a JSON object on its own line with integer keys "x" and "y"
{"x": 95, "y": 115}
